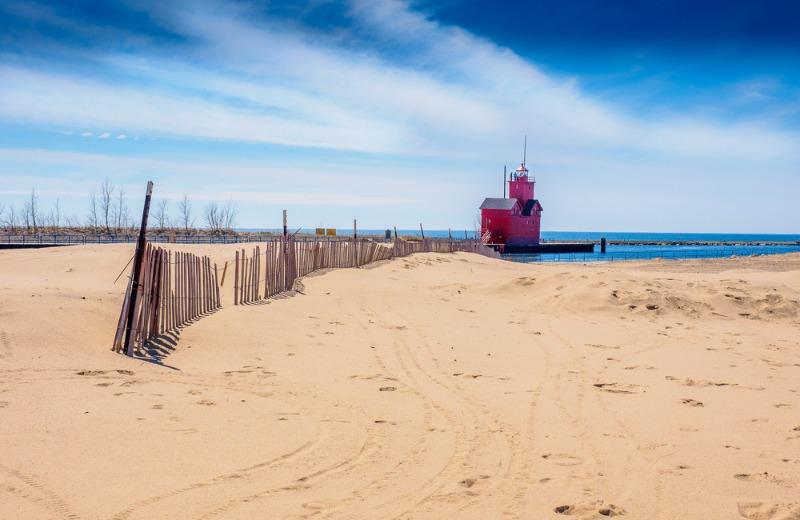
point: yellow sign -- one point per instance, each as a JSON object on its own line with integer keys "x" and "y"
{"x": 331, "y": 232}
{"x": 320, "y": 231}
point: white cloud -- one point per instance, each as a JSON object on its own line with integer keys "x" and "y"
{"x": 460, "y": 95}
{"x": 121, "y": 136}
{"x": 104, "y": 135}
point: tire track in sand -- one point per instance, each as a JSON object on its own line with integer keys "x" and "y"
{"x": 471, "y": 434}
{"x": 6, "y": 352}
{"x": 422, "y": 446}
{"x": 41, "y": 495}
{"x": 633, "y": 443}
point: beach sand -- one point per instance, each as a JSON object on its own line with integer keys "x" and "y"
{"x": 435, "y": 386}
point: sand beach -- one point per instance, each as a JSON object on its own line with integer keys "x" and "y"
{"x": 433, "y": 386}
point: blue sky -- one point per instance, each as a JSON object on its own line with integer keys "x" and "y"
{"x": 640, "y": 116}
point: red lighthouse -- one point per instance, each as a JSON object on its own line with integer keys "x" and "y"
{"x": 513, "y": 221}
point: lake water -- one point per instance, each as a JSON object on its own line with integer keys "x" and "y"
{"x": 748, "y": 243}
{"x": 621, "y": 253}
{"x": 556, "y": 236}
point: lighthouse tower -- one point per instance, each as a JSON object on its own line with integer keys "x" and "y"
{"x": 519, "y": 186}
{"x": 516, "y": 220}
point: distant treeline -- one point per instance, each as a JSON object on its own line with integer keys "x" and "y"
{"x": 108, "y": 212}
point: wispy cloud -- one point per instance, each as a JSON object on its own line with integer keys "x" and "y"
{"x": 454, "y": 93}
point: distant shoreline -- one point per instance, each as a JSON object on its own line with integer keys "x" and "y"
{"x": 76, "y": 236}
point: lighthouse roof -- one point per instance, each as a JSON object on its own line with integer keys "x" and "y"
{"x": 521, "y": 169}
{"x": 497, "y": 203}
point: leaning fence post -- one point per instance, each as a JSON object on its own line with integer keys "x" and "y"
{"x": 355, "y": 244}
{"x": 235, "y": 280}
{"x": 137, "y": 267}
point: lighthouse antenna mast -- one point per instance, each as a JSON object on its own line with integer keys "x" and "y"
{"x": 525, "y": 150}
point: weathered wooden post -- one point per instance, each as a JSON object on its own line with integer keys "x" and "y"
{"x": 285, "y": 248}
{"x": 216, "y": 285}
{"x": 235, "y": 280}
{"x": 137, "y": 268}
{"x": 355, "y": 243}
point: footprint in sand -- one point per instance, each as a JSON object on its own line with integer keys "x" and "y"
{"x": 387, "y": 389}
{"x": 562, "y": 459}
{"x": 620, "y": 388}
{"x": 605, "y": 347}
{"x": 769, "y": 511}
{"x": 229, "y": 373}
{"x": 692, "y": 402}
{"x": 469, "y": 482}
{"x": 206, "y": 402}
{"x": 762, "y": 477}
{"x": 585, "y": 510}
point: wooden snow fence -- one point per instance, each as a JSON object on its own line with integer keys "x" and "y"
{"x": 473, "y": 246}
{"x": 263, "y": 273}
{"x": 441, "y": 245}
{"x": 175, "y": 289}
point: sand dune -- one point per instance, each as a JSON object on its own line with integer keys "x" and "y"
{"x": 435, "y": 386}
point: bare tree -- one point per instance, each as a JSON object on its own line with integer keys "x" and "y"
{"x": 229, "y": 212}
{"x": 31, "y": 212}
{"x": 212, "y": 217}
{"x": 161, "y": 214}
{"x": 2, "y": 212}
{"x": 91, "y": 219}
{"x": 25, "y": 216}
{"x": 35, "y": 212}
{"x": 10, "y": 220}
{"x": 185, "y": 212}
{"x": 121, "y": 209}
{"x": 55, "y": 215}
{"x": 106, "y": 194}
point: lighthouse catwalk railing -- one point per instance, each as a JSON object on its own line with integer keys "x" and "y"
{"x": 268, "y": 271}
